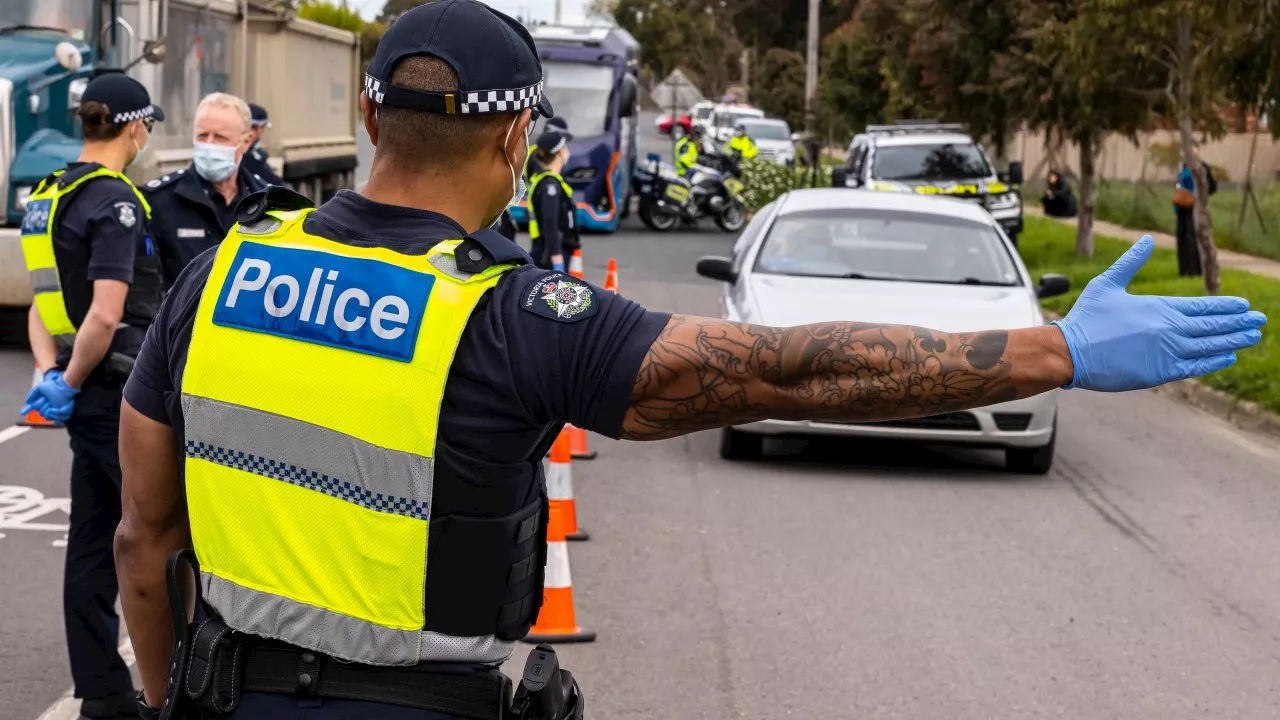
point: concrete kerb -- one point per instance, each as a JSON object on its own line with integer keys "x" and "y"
{"x": 1244, "y": 414}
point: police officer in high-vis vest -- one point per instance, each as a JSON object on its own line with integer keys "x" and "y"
{"x": 344, "y": 410}
{"x": 96, "y": 281}
{"x": 687, "y": 150}
{"x": 551, "y": 209}
{"x": 742, "y": 144}
{"x": 532, "y": 166}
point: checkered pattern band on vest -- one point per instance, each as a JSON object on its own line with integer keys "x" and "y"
{"x": 477, "y": 102}
{"x": 132, "y": 115}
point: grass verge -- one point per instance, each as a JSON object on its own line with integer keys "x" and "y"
{"x": 1049, "y": 247}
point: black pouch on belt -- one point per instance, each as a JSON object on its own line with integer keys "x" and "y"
{"x": 215, "y": 673}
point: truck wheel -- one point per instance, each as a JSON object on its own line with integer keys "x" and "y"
{"x": 737, "y": 445}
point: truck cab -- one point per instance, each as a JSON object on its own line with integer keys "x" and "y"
{"x": 930, "y": 158}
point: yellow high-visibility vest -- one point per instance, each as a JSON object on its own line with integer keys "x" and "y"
{"x": 534, "y": 231}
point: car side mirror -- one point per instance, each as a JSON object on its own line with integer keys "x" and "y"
{"x": 1052, "y": 285}
{"x": 1015, "y": 173}
{"x": 717, "y": 268}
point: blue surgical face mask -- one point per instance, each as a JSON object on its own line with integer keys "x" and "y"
{"x": 214, "y": 163}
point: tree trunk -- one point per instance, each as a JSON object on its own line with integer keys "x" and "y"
{"x": 1084, "y": 221}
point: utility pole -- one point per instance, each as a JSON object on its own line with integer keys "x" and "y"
{"x": 558, "y": 3}
{"x": 811, "y": 91}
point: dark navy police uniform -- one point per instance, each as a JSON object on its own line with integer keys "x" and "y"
{"x": 190, "y": 216}
{"x": 518, "y": 375}
{"x": 256, "y": 159}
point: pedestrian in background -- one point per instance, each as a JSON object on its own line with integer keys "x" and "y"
{"x": 96, "y": 281}
{"x": 196, "y": 206}
{"x": 1184, "y": 203}
{"x": 551, "y": 209}
{"x": 256, "y": 159}
{"x": 1058, "y": 199}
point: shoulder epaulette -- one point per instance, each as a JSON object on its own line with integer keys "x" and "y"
{"x": 165, "y": 180}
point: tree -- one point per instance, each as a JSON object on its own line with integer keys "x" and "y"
{"x": 395, "y": 8}
{"x": 779, "y": 85}
{"x": 852, "y": 91}
{"x": 687, "y": 34}
{"x": 1077, "y": 71}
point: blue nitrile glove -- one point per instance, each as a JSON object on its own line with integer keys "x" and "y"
{"x": 558, "y": 267}
{"x": 52, "y": 397}
{"x": 1122, "y": 342}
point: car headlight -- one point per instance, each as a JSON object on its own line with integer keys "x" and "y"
{"x": 21, "y": 194}
{"x": 75, "y": 91}
{"x": 1003, "y": 201}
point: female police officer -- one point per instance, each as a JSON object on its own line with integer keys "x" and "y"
{"x": 364, "y": 394}
{"x": 96, "y": 281}
{"x": 551, "y": 222}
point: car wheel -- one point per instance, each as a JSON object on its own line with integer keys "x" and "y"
{"x": 1032, "y": 461}
{"x": 737, "y": 445}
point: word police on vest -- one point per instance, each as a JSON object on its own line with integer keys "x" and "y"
{"x": 314, "y": 296}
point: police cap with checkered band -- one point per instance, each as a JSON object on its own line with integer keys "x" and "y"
{"x": 493, "y": 54}
{"x": 126, "y": 99}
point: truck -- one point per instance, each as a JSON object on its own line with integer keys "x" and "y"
{"x": 589, "y": 73}
{"x": 306, "y": 75}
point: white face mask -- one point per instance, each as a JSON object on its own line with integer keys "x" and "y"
{"x": 139, "y": 149}
{"x": 518, "y": 187}
{"x": 215, "y": 163}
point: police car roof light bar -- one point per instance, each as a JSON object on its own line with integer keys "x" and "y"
{"x": 909, "y": 127}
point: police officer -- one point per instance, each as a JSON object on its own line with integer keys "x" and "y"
{"x": 687, "y": 150}
{"x": 195, "y": 207}
{"x": 551, "y": 223}
{"x": 96, "y": 281}
{"x": 364, "y": 393}
{"x": 256, "y": 159}
{"x": 532, "y": 165}
{"x": 741, "y": 143}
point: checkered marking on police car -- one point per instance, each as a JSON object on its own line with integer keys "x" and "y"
{"x": 495, "y": 101}
{"x": 132, "y": 115}
{"x": 309, "y": 479}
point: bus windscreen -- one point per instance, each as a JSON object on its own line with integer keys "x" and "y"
{"x": 579, "y": 93}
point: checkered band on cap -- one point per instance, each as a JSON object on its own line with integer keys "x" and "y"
{"x": 497, "y": 101}
{"x": 132, "y": 115}
{"x": 471, "y": 102}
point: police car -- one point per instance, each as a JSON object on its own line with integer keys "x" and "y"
{"x": 930, "y": 158}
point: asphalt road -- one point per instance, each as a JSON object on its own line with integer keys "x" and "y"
{"x": 1141, "y": 579}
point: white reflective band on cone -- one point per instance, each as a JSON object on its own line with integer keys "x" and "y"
{"x": 559, "y": 481}
{"x": 557, "y": 575}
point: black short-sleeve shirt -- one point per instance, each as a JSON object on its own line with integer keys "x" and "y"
{"x": 535, "y": 353}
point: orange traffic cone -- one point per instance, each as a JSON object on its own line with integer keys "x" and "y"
{"x": 33, "y": 418}
{"x": 611, "y": 276}
{"x": 556, "y": 622}
{"x": 575, "y": 264}
{"x": 578, "y": 444}
{"x": 560, "y": 485}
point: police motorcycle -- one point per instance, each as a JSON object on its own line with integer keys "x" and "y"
{"x": 712, "y": 188}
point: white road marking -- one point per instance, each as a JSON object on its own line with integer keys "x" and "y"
{"x": 67, "y": 707}
{"x": 12, "y": 432}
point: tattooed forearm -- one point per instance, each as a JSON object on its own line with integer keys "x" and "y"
{"x": 702, "y": 373}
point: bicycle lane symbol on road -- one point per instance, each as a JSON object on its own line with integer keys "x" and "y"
{"x": 24, "y": 508}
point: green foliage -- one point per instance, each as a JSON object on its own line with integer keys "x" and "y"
{"x": 395, "y": 8}
{"x": 782, "y": 73}
{"x": 333, "y": 14}
{"x": 851, "y": 87}
{"x": 1048, "y": 246}
{"x": 764, "y": 181}
{"x": 689, "y": 34}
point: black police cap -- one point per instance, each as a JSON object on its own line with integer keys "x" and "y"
{"x": 494, "y": 56}
{"x": 125, "y": 98}
{"x": 552, "y": 140}
{"x": 258, "y": 115}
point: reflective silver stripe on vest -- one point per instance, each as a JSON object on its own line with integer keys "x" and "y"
{"x": 309, "y": 456}
{"x": 342, "y": 636}
{"x": 45, "y": 280}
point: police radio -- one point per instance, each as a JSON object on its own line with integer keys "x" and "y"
{"x": 546, "y": 691}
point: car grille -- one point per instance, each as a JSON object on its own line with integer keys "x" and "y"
{"x": 948, "y": 421}
{"x": 1012, "y": 422}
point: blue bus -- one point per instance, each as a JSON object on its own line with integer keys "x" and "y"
{"x": 590, "y": 75}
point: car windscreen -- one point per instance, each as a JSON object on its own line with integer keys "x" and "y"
{"x": 887, "y": 245}
{"x": 944, "y": 161}
{"x": 767, "y": 131}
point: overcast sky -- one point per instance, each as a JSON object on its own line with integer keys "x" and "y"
{"x": 572, "y": 11}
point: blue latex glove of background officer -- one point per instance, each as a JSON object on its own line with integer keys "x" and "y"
{"x": 1122, "y": 342}
{"x": 52, "y": 397}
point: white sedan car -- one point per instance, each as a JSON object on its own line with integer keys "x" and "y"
{"x": 831, "y": 254}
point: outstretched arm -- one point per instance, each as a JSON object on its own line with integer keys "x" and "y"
{"x": 703, "y": 373}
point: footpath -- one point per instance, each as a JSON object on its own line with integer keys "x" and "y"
{"x": 1242, "y": 413}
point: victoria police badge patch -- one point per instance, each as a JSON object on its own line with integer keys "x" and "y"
{"x": 560, "y": 297}
{"x": 125, "y": 214}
